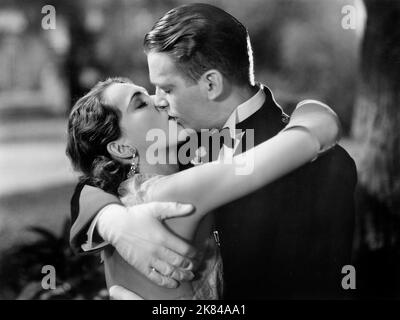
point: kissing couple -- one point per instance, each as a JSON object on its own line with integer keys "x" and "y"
{"x": 198, "y": 230}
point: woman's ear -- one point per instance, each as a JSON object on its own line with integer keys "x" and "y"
{"x": 119, "y": 150}
{"x": 213, "y": 81}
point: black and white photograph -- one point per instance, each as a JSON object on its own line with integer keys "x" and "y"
{"x": 216, "y": 150}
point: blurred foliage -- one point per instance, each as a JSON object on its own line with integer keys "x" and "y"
{"x": 300, "y": 48}
{"x": 77, "y": 277}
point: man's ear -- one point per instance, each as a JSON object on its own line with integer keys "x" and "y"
{"x": 213, "y": 82}
{"x": 119, "y": 150}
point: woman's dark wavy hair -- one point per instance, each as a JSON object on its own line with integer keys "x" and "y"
{"x": 92, "y": 125}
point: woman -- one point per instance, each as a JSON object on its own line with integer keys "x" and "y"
{"x": 107, "y": 143}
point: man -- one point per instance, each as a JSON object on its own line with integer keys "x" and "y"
{"x": 287, "y": 240}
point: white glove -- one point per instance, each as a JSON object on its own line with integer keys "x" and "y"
{"x": 140, "y": 237}
{"x": 120, "y": 293}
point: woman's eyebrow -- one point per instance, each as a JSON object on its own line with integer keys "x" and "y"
{"x": 134, "y": 95}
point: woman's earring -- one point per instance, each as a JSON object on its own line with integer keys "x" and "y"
{"x": 135, "y": 164}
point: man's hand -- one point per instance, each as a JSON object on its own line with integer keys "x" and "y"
{"x": 140, "y": 237}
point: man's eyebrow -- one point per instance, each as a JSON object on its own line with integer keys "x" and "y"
{"x": 160, "y": 83}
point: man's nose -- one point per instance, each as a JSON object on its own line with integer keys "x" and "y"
{"x": 159, "y": 100}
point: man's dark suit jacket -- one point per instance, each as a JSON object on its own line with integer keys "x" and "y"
{"x": 289, "y": 239}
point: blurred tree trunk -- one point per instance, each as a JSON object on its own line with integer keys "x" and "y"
{"x": 376, "y": 124}
{"x": 81, "y": 55}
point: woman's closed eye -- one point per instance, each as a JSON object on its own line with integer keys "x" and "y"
{"x": 141, "y": 104}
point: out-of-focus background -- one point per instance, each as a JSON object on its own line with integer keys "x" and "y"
{"x": 343, "y": 52}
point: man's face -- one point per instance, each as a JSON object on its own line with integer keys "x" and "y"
{"x": 184, "y": 100}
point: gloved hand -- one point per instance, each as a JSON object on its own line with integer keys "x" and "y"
{"x": 140, "y": 237}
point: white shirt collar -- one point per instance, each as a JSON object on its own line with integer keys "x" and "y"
{"x": 245, "y": 110}
{"x": 241, "y": 113}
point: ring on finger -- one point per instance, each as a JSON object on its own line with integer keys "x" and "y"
{"x": 154, "y": 269}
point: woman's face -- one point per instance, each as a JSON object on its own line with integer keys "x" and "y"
{"x": 138, "y": 114}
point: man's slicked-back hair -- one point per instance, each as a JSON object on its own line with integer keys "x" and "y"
{"x": 200, "y": 37}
